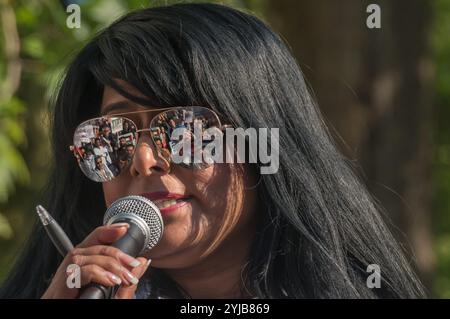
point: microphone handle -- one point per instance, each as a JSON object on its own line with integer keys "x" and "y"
{"x": 131, "y": 244}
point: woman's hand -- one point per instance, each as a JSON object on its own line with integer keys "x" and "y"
{"x": 101, "y": 264}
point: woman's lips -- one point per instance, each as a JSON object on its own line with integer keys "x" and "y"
{"x": 168, "y": 202}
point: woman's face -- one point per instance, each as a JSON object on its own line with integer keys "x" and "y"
{"x": 208, "y": 198}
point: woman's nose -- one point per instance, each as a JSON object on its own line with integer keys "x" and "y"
{"x": 146, "y": 160}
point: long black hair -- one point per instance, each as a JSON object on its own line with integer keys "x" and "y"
{"x": 320, "y": 229}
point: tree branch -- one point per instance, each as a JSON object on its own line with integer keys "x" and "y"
{"x": 12, "y": 51}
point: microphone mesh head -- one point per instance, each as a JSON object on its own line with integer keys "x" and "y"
{"x": 143, "y": 211}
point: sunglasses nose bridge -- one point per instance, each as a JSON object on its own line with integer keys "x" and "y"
{"x": 139, "y": 135}
{"x": 144, "y": 130}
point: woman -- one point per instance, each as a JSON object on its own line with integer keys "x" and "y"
{"x": 308, "y": 231}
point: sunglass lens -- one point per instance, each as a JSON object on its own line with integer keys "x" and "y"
{"x": 104, "y": 147}
{"x": 173, "y": 128}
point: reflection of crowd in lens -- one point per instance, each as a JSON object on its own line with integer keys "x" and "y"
{"x": 167, "y": 122}
{"x": 101, "y": 154}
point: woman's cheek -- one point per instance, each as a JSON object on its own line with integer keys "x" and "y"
{"x": 182, "y": 244}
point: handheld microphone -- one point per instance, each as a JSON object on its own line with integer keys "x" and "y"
{"x": 145, "y": 231}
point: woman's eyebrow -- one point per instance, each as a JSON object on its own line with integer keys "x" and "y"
{"x": 121, "y": 105}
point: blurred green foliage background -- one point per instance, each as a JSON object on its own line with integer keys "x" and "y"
{"x": 441, "y": 164}
{"x": 36, "y": 45}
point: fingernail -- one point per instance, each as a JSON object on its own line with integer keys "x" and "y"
{"x": 133, "y": 279}
{"x": 114, "y": 278}
{"x": 118, "y": 225}
{"x": 130, "y": 260}
{"x": 148, "y": 262}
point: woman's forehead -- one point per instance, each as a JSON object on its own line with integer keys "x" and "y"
{"x": 114, "y": 101}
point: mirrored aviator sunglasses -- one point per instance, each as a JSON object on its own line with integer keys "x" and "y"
{"x": 104, "y": 146}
